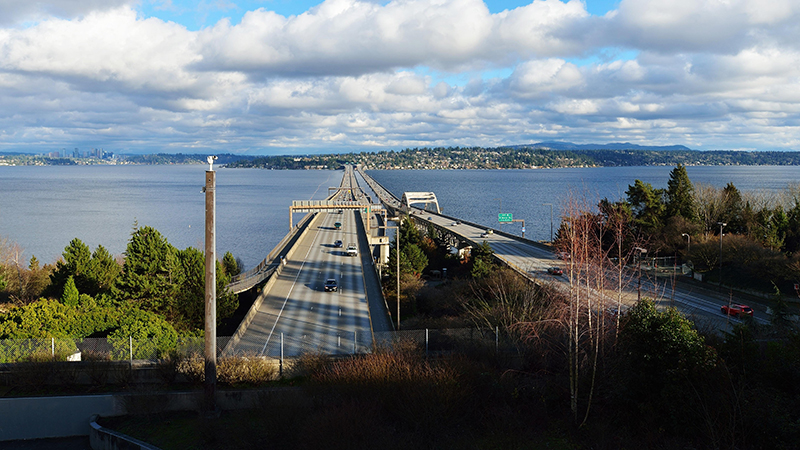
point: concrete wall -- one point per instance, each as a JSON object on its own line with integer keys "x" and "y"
{"x": 47, "y": 417}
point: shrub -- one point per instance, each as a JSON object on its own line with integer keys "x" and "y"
{"x": 152, "y": 336}
{"x": 192, "y": 367}
{"x": 232, "y": 371}
{"x": 244, "y": 370}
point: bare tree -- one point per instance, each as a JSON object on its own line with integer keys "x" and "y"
{"x": 710, "y": 203}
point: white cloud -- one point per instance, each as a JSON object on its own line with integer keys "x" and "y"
{"x": 544, "y": 78}
{"x": 347, "y": 73}
{"x": 16, "y": 11}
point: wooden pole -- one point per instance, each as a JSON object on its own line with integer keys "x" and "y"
{"x": 210, "y": 383}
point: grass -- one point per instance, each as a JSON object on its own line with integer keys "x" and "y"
{"x": 388, "y": 400}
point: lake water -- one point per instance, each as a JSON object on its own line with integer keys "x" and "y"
{"x": 43, "y": 208}
{"x": 479, "y": 195}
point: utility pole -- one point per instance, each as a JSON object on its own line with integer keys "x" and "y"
{"x": 721, "y": 224}
{"x": 210, "y": 383}
{"x": 641, "y": 251}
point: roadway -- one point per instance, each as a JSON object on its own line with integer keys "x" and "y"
{"x": 298, "y": 311}
{"x": 698, "y": 301}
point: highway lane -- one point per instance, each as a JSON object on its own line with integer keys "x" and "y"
{"x": 298, "y": 307}
{"x": 702, "y": 304}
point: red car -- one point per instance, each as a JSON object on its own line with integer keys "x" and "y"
{"x": 737, "y": 310}
{"x": 555, "y": 271}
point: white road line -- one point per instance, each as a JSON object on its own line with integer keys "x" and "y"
{"x": 289, "y": 294}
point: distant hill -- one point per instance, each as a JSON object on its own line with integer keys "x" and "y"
{"x": 553, "y": 145}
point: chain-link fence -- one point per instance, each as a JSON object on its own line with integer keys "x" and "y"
{"x": 281, "y": 346}
{"x": 97, "y": 349}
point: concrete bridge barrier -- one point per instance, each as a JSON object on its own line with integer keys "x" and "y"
{"x": 288, "y": 244}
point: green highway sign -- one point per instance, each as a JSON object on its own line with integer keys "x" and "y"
{"x": 504, "y": 217}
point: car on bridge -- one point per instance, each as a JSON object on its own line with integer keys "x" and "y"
{"x": 352, "y": 250}
{"x": 337, "y": 225}
{"x": 331, "y": 285}
{"x": 737, "y": 310}
{"x": 555, "y": 271}
{"x": 337, "y": 243}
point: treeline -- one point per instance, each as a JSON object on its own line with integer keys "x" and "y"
{"x": 157, "y": 292}
{"x": 519, "y": 157}
{"x": 180, "y": 158}
{"x": 291, "y": 162}
{"x": 760, "y": 246}
{"x": 571, "y": 364}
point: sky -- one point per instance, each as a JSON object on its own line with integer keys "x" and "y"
{"x": 302, "y": 76}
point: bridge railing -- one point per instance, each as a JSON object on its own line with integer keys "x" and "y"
{"x": 269, "y": 261}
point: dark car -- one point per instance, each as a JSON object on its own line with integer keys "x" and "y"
{"x": 737, "y": 310}
{"x": 555, "y": 271}
{"x": 331, "y": 285}
{"x": 337, "y": 243}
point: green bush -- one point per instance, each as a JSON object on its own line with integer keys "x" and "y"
{"x": 151, "y": 335}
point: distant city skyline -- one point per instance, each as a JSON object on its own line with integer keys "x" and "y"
{"x": 307, "y": 77}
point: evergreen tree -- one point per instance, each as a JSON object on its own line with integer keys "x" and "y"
{"x": 792, "y": 226}
{"x": 152, "y": 274}
{"x": 647, "y": 205}
{"x": 732, "y": 209}
{"x": 680, "y": 194}
{"x": 416, "y": 258}
{"x": 102, "y": 272}
{"x": 75, "y": 264}
{"x": 70, "y": 296}
{"x": 409, "y": 234}
{"x": 482, "y": 262}
{"x": 191, "y": 305}
{"x": 227, "y": 301}
{"x": 231, "y": 265}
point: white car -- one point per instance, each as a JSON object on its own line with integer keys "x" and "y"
{"x": 352, "y": 250}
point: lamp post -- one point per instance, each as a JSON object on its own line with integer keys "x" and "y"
{"x": 551, "y": 220}
{"x": 641, "y": 251}
{"x": 721, "y": 224}
{"x": 689, "y": 238}
{"x": 397, "y": 254}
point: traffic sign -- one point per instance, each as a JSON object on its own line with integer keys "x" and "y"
{"x": 505, "y": 217}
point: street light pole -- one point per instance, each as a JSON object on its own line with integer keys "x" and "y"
{"x": 689, "y": 238}
{"x": 721, "y": 224}
{"x": 551, "y": 220}
{"x": 641, "y": 251}
{"x": 397, "y": 254}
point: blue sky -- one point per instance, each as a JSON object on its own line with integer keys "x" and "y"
{"x": 198, "y": 14}
{"x": 143, "y": 76}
